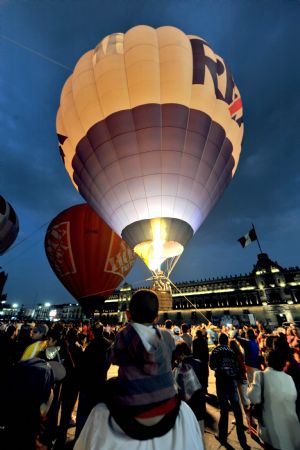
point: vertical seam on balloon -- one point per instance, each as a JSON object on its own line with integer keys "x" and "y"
{"x": 60, "y": 111}
{"x": 210, "y": 116}
{"x": 225, "y": 136}
{"x": 130, "y": 109}
{"x": 188, "y": 118}
{"x": 84, "y": 134}
{"x": 120, "y": 207}
{"x": 95, "y": 154}
{"x": 160, "y": 110}
{"x": 206, "y": 184}
{"x": 214, "y": 200}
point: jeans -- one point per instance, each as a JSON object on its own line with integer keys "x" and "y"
{"x": 227, "y": 393}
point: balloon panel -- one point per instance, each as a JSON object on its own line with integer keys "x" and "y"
{"x": 87, "y": 256}
{"x": 9, "y": 225}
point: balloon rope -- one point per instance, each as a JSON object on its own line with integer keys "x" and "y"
{"x": 193, "y": 305}
{"x": 173, "y": 264}
{"x": 47, "y": 58}
{"x": 25, "y": 239}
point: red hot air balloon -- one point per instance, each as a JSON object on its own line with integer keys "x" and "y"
{"x": 87, "y": 256}
{"x": 150, "y": 126}
{"x": 9, "y": 225}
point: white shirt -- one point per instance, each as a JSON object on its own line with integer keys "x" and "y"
{"x": 281, "y": 427}
{"x": 101, "y": 432}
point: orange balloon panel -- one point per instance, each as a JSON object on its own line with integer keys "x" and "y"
{"x": 87, "y": 256}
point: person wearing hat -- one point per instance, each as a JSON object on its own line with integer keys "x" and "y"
{"x": 143, "y": 409}
{"x": 176, "y": 334}
{"x": 26, "y": 401}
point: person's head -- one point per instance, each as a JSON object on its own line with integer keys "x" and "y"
{"x": 223, "y": 339}
{"x": 11, "y": 331}
{"x": 250, "y": 334}
{"x": 199, "y": 333}
{"x": 98, "y": 329}
{"x": 276, "y": 359}
{"x": 25, "y": 333}
{"x": 54, "y": 338}
{"x": 72, "y": 336}
{"x": 184, "y": 328}
{"x": 143, "y": 306}
{"x": 181, "y": 351}
{"x": 176, "y": 330}
{"x": 168, "y": 324}
{"x": 280, "y": 344}
{"x": 39, "y": 332}
{"x": 235, "y": 346}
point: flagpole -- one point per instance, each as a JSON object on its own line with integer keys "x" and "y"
{"x": 258, "y": 243}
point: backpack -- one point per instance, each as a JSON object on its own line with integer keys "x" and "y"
{"x": 186, "y": 380}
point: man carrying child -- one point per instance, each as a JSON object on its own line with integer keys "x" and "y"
{"x": 142, "y": 405}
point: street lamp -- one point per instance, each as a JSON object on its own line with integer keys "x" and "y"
{"x": 47, "y": 304}
{"x": 15, "y": 305}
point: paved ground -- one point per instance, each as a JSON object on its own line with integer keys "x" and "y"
{"x": 211, "y": 422}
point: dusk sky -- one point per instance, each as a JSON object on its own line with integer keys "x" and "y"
{"x": 41, "y": 41}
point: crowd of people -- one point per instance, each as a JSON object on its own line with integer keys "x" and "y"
{"x": 54, "y": 376}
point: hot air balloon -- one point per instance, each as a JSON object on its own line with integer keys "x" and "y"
{"x": 9, "y": 225}
{"x": 150, "y": 129}
{"x": 87, "y": 256}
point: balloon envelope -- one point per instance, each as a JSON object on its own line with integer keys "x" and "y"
{"x": 9, "y": 225}
{"x": 150, "y": 128}
{"x": 87, "y": 256}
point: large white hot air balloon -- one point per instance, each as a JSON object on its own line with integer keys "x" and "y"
{"x": 150, "y": 129}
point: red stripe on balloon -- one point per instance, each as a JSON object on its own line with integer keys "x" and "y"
{"x": 234, "y": 107}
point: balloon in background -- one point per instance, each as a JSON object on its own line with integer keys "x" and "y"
{"x": 9, "y": 225}
{"x": 150, "y": 129}
{"x": 87, "y": 256}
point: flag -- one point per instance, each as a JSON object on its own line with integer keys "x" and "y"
{"x": 248, "y": 238}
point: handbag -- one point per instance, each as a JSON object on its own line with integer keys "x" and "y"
{"x": 186, "y": 380}
{"x": 256, "y": 409}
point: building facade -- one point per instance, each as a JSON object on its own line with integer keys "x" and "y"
{"x": 269, "y": 293}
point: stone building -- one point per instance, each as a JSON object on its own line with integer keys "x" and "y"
{"x": 269, "y": 293}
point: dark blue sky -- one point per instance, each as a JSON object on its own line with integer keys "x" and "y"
{"x": 258, "y": 39}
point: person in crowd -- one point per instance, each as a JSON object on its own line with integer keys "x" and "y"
{"x": 176, "y": 334}
{"x": 191, "y": 392}
{"x": 224, "y": 362}
{"x": 200, "y": 351}
{"x": 212, "y": 336}
{"x": 252, "y": 354}
{"x": 292, "y": 367}
{"x": 8, "y": 350}
{"x": 53, "y": 352}
{"x": 169, "y": 325}
{"x": 39, "y": 342}
{"x": 280, "y": 427}
{"x": 26, "y": 400}
{"x": 24, "y": 338}
{"x": 242, "y": 381}
{"x": 185, "y": 336}
{"x": 92, "y": 374}
{"x": 143, "y": 410}
{"x": 70, "y": 386}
